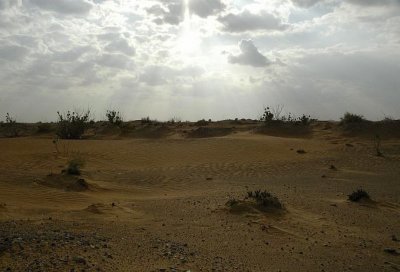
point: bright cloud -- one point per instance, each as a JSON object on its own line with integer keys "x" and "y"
{"x": 199, "y": 58}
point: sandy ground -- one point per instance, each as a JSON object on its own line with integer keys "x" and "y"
{"x": 159, "y": 205}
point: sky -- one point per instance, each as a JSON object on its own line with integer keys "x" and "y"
{"x": 195, "y": 59}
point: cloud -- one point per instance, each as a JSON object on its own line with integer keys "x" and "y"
{"x": 247, "y": 21}
{"x": 121, "y": 45}
{"x": 118, "y": 61}
{"x": 155, "y": 75}
{"x": 73, "y": 54}
{"x": 305, "y": 3}
{"x": 5, "y": 4}
{"x": 170, "y": 13}
{"x": 374, "y": 2}
{"x": 13, "y": 52}
{"x": 78, "y": 7}
{"x": 336, "y": 55}
{"x": 249, "y": 55}
{"x": 310, "y": 3}
{"x": 205, "y": 8}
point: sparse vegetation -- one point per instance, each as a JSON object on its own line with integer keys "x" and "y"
{"x": 148, "y": 121}
{"x": 255, "y": 200}
{"x": 351, "y": 118}
{"x": 72, "y": 125}
{"x": 265, "y": 199}
{"x": 74, "y": 166}
{"x": 114, "y": 117}
{"x": 202, "y": 122}
{"x": 359, "y": 195}
{"x": 273, "y": 116}
{"x": 175, "y": 120}
{"x": 11, "y": 126}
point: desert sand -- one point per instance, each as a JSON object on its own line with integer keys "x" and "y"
{"x": 159, "y": 203}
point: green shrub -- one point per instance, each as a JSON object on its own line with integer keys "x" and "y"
{"x": 114, "y": 117}
{"x": 351, "y": 118}
{"x": 72, "y": 125}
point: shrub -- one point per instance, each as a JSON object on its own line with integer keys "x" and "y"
{"x": 11, "y": 126}
{"x": 74, "y": 166}
{"x": 305, "y": 120}
{"x": 359, "y": 195}
{"x": 114, "y": 117}
{"x": 265, "y": 199}
{"x": 267, "y": 116}
{"x": 202, "y": 122}
{"x": 174, "y": 120}
{"x": 351, "y": 118}
{"x": 146, "y": 120}
{"x": 273, "y": 116}
{"x": 72, "y": 125}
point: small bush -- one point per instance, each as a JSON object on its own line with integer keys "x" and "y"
{"x": 74, "y": 166}
{"x": 273, "y": 116}
{"x": 72, "y": 125}
{"x": 11, "y": 126}
{"x": 114, "y": 117}
{"x": 174, "y": 120}
{"x": 265, "y": 199}
{"x": 305, "y": 120}
{"x": 351, "y": 118}
{"x": 146, "y": 120}
{"x": 267, "y": 116}
{"x": 359, "y": 195}
{"x": 202, "y": 122}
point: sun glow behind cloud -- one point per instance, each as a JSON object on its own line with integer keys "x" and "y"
{"x": 199, "y": 58}
{"x": 189, "y": 40}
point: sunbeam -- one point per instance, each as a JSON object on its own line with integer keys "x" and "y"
{"x": 189, "y": 40}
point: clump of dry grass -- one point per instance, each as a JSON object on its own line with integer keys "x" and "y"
{"x": 359, "y": 195}
{"x": 256, "y": 200}
{"x": 265, "y": 199}
{"x": 75, "y": 165}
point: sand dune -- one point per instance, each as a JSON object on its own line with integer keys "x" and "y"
{"x": 146, "y": 204}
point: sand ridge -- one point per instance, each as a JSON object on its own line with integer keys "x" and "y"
{"x": 160, "y": 204}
